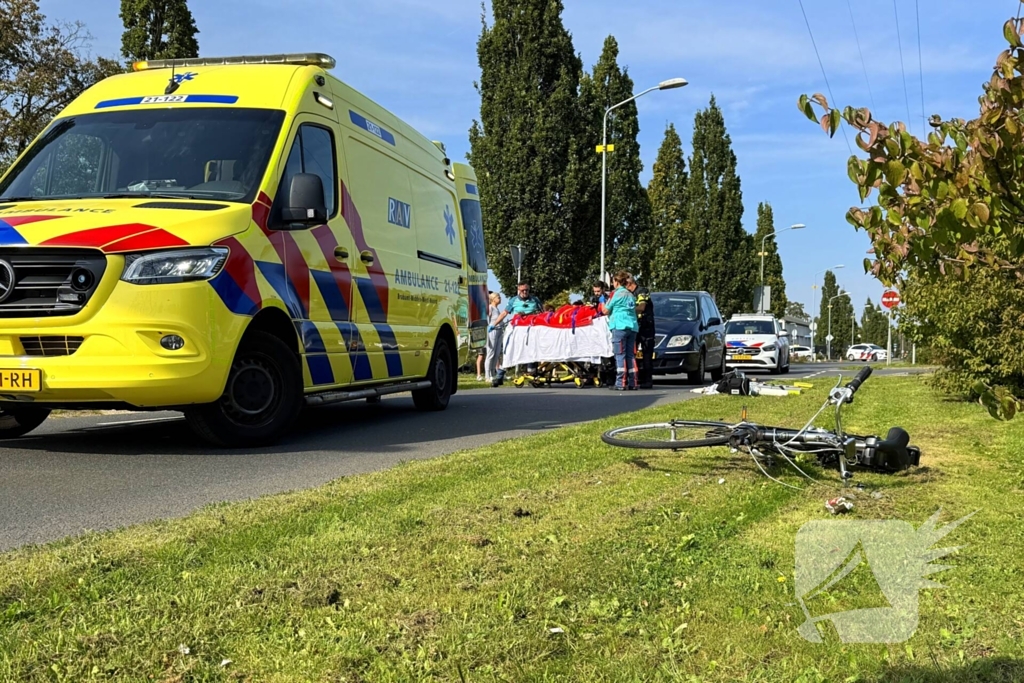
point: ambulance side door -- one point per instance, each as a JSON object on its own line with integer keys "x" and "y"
{"x": 389, "y": 295}
{"x": 317, "y": 260}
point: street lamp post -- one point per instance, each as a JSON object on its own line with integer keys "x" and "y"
{"x": 670, "y": 84}
{"x": 853, "y": 324}
{"x": 828, "y": 339}
{"x": 797, "y": 226}
{"x": 815, "y": 287}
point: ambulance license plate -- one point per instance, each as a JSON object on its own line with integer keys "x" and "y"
{"x": 26, "y": 381}
{"x": 741, "y": 356}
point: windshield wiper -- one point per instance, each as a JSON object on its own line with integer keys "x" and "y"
{"x": 113, "y": 195}
{"x": 11, "y": 200}
{"x": 138, "y": 195}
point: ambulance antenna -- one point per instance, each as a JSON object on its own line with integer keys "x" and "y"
{"x": 172, "y": 84}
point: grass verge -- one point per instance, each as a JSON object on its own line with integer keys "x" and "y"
{"x": 468, "y": 381}
{"x": 457, "y": 569}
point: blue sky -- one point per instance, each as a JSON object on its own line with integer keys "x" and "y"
{"x": 418, "y": 58}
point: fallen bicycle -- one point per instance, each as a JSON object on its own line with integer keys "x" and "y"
{"x": 765, "y": 444}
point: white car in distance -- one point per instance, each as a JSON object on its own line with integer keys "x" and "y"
{"x": 866, "y": 352}
{"x": 802, "y": 352}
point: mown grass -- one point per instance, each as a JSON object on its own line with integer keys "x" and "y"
{"x": 468, "y": 380}
{"x": 458, "y": 569}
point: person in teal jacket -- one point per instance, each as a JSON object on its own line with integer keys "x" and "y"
{"x": 621, "y": 311}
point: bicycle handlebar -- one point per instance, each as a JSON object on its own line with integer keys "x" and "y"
{"x": 861, "y": 377}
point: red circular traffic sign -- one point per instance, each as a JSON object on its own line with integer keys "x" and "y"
{"x": 891, "y": 299}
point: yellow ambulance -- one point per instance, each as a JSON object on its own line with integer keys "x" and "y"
{"x": 234, "y": 238}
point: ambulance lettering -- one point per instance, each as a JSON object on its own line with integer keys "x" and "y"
{"x": 399, "y": 213}
{"x": 418, "y": 280}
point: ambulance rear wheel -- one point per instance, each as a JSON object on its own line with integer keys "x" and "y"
{"x": 19, "y": 421}
{"x": 262, "y": 397}
{"x": 441, "y": 375}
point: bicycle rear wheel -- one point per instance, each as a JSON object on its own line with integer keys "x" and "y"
{"x": 672, "y": 435}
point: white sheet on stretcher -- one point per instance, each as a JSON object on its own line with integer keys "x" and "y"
{"x": 545, "y": 344}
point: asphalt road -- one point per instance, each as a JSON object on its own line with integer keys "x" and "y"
{"x": 107, "y": 471}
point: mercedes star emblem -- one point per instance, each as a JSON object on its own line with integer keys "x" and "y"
{"x": 6, "y": 280}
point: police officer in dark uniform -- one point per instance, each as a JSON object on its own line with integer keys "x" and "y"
{"x": 645, "y": 337}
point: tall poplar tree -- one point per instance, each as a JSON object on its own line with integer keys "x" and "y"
{"x": 842, "y": 317}
{"x": 669, "y": 242}
{"x": 829, "y": 289}
{"x": 627, "y": 209}
{"x": 720, "y": 248}
{"x": 533, "y": 149}
{"x": 874, "y": 325}
{"x": 772, "y": 260}
{"x": 844, "y": 325}
{"x": 158, "y": 29}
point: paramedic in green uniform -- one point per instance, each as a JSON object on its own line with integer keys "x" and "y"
{"x": 520, "y": 304}
{"x": 645, "y": 337}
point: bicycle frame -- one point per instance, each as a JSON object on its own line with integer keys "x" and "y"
{"x": 764, "y": 443}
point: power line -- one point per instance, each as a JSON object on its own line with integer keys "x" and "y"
{"x": 864, "y": 65}
{"x": 899, "y": 42}
{"x": 828, "y": 87}
{"x": 920, "y": 68}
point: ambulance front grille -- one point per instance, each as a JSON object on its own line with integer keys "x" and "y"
{"x": 53, "y": 345}
{"x": 36, "y": 281}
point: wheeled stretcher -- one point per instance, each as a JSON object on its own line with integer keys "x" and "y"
{"x": 554, "y": 349}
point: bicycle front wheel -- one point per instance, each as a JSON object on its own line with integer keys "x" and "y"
{"x": 670, "y": 435}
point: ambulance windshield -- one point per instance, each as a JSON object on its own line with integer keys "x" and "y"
{"x": 188, "y": 153}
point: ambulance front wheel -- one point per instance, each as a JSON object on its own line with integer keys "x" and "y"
{"x": 261, "y": 400}
{"x": 19, "y": 421}
{"x": 441, "y": 375}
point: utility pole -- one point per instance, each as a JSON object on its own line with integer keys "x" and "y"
{"x": 760, "y": 298}
{"x": 517, "y": 261}
{"x": 888, "y": 352}
{"x": 828, "y": 338}
{"x": 603, "y": 150}
{"x": 853, "y": 328}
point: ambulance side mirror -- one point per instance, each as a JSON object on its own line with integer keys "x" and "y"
{"x": 305, "y": 204}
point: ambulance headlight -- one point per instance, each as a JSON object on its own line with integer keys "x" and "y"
{"x": 679, "y": 340}
{"x": 181, "y": 265}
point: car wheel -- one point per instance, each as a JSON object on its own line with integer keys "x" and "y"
{"x": 697, "y": 377}
{"x": 436, "y": 396}
{"x": 719, "y": 372}
{"x": 261, "y": 400}
{"x": 19, "y": 421}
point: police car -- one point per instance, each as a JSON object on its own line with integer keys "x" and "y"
{"x": 756, "y": 342}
